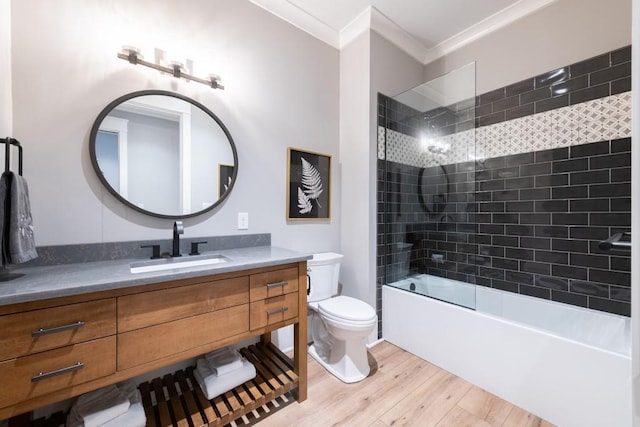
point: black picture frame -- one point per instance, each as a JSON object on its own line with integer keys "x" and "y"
{"x": 308, "y": 185}
{"x": 225, "y": 178}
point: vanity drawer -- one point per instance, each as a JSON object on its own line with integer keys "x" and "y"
{"x": 38, "y": 330}
{"x": 151, "y": 308}
{"x": 273, "y": 283}
{"x": 155, "y": 342}
{"x": 273, "y": 310}
{"x": 38, "y": 374}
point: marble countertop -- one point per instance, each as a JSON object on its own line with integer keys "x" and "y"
{"x": 39, "y": 283}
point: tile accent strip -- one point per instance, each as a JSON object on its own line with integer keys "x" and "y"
{"x": 597, "y": 120}
{"x": 594, "y": 78}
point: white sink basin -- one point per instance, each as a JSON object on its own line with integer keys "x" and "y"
{"x": 173, "y": 263}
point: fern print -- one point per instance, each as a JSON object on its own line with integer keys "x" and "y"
{"x": 308, "y": 185}
{"x": 311, "y": 182}
{"x": 304, "y": 204}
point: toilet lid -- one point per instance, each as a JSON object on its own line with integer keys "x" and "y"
{"x": 347, "y": 308}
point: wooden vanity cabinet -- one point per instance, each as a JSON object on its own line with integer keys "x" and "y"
{"x": 30, "y": 332}
{"x": 48, "y": 350}
{"x": 187, "y": 317}
{"x": 274, "y": 297}
{"x": 55, "y": 349}
{"x": 54, "y": 371}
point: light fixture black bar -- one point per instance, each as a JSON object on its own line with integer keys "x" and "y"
{"x": 134, "y": 58}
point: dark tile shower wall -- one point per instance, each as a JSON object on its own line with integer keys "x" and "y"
{"x": 528, "y": 223}
{"x": 532, "y": 226}
{"x": 603, "y": 75}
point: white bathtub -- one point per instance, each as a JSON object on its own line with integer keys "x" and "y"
{"x": 568, "y": 365}
{"x": 453, "y": 291}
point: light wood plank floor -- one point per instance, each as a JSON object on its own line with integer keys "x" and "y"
{"x": 402, "y": 389}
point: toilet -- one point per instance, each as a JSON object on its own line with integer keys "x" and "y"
{"x": 339, "y": 325}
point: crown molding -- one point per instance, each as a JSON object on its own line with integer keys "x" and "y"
{"x": 488, "y": 25}
{"x": 372, "y": 19}
{"x": 300, "y": 19}
{"x": 353, "y": 29}
{"x": 391, "y": 31}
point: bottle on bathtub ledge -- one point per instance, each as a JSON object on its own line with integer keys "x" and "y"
{"x": 437, "y": 258}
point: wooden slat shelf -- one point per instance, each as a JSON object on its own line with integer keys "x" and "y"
{"x": 176, "y": 400}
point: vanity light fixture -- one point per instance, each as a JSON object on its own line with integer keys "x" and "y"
{"x": 175, "y": 68}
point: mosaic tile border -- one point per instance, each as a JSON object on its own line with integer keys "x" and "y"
{"x": 590, "y": 121}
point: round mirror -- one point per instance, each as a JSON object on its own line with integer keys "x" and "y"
{"x": 433, "y": 189}
{"x": 163, "y": 154}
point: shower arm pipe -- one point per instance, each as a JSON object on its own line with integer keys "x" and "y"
{"x": 614, "y": 242}
{"x": 175, "y": 70}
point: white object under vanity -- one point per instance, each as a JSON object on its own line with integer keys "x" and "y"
{"x": 74, "y": 328}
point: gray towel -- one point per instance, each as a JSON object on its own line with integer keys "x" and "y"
{"x": 4, "y": 207}
{"x": 21, "y": 242}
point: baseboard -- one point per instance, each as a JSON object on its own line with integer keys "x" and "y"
{"x": 375, "y": 343}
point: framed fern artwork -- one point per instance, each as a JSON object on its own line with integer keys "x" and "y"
{"x": 308, "y": 186}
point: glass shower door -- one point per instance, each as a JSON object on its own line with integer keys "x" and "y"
{"x": 429, "y": 168}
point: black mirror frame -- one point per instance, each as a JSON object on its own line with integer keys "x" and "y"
{"x": 439, "y": 205}
{"x": 103, "y": 180}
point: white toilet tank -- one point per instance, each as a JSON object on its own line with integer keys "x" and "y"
{"x": 323, "y": 270}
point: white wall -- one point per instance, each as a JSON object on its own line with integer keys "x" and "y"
{"x": 392, "y": 72}
{"x": 565, "y": 32}
{"x": 355, "y": 166}
{"x": 368, "y": 65}
{"x": 281, "y": 90}
{"x": 5, "y": 69}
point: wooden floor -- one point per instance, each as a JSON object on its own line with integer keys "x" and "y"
{"x": 402, "y": 389}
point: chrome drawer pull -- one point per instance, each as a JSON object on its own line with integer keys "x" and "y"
{"x": 57, "y": 329}
{"x": 278, "y": 311}
{"x": 44, "y": 375}
{"x": 277, "y": 285}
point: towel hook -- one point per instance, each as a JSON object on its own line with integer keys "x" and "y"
{"x": 8, "y": 142}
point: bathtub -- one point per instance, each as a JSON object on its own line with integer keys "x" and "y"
{"x": 453, "y": 291}
{"x": 568, "y": 365}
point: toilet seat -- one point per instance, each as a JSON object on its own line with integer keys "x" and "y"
{"x": 347, "y": 325}
{"x": 343, "y": 308}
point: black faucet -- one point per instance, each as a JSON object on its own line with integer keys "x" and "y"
{"x": 178, "y": 229}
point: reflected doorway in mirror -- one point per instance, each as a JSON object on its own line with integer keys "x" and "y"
{"x": 162, "y": 154}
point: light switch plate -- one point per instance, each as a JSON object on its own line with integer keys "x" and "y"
{"x": 243, "y": 220}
